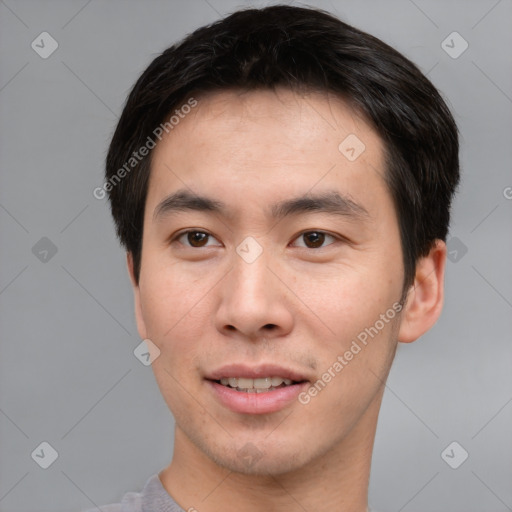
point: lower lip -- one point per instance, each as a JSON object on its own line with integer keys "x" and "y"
{"x": 256, "y": 403}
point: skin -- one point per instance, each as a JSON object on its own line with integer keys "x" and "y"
{"x": 297, "y": 305}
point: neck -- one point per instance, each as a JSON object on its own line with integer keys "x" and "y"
{"x": 337, "y": 480}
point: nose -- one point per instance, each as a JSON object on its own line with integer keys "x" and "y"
{"x": 254, "y": 300}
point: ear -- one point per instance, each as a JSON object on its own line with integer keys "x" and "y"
{"x": 141, "y": 326}
{"x": 424, "y": 300}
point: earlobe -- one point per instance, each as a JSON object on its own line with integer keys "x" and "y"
{"x": 141, "y": 326}
{"x": 424, "y": 300}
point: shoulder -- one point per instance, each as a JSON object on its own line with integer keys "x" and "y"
{"x": 152, "y": 496}
{"x": 131, "y": 502}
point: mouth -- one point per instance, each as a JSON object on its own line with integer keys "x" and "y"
{"x": 259, "y": 385}
{"x": 256, "y": 390}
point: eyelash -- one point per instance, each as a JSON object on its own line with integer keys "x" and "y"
{"x": 335, "y": 238}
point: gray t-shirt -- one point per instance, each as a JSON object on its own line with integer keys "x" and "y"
{"x": 153, "y": 498}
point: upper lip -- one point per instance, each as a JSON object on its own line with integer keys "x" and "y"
{"x": 255, "y": 372}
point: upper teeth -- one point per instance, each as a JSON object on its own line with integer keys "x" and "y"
{"x": 261, "y": 383}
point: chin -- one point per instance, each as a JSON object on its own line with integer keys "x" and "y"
{"x": 274, "y": 464}
{"x": 259, "y": 457}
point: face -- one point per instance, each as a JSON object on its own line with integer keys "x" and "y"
{"x": 270, "y": 280}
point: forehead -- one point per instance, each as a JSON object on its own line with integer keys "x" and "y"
{"x": 262, "y": 143}
{"x": 299, "y": 117}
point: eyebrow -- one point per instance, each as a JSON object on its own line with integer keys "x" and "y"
{"x": 330, "y": 202}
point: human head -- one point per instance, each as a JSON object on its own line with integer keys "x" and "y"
{"x": 303, "y": 50}
{"x": 254, "y": 107}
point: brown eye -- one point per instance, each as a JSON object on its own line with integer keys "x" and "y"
{"x": 195, "y": 239}
{"x": 314, "y": 239}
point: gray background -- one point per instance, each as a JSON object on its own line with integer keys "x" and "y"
{"x": 68, "y": 375}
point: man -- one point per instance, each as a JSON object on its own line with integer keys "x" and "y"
{"x": 282, "y": 183}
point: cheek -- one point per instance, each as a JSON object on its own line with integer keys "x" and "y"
{"x": 175, "y": 320}
{"x": 344, "y": 300}
{"x": 171, "y": 297}
{"x": 353, "y": 368}
{"x": 356, "y": 338}
{"x": 177, "y": 310}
